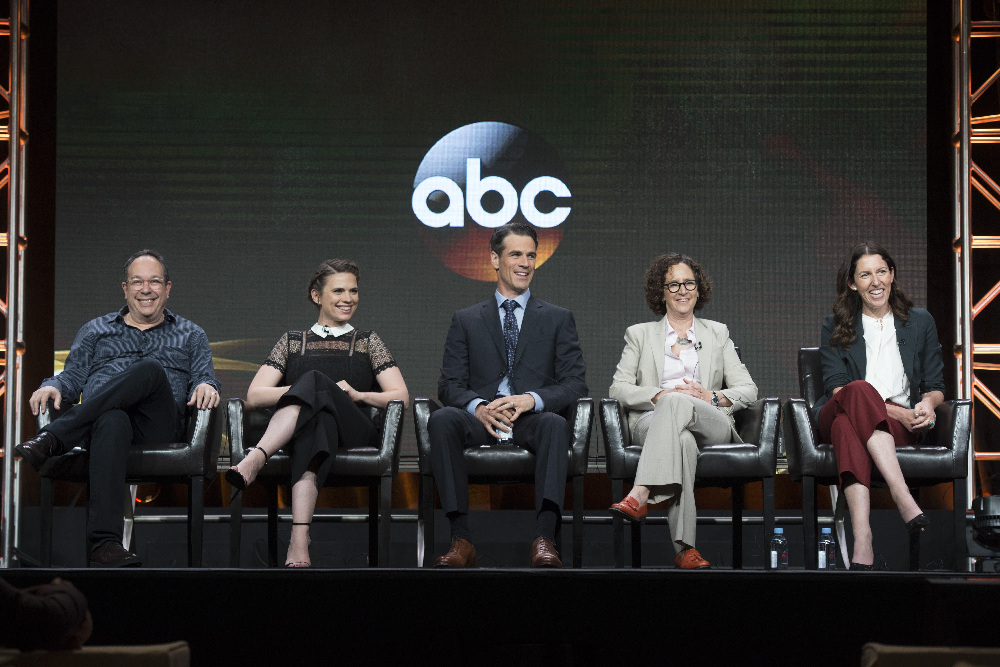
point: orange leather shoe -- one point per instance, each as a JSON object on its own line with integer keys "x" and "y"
{"x": 690, "y": 559}
{"x": 629, "y": 510}
{"x": 461, "y": 554}
{"x": 544, "y": 554}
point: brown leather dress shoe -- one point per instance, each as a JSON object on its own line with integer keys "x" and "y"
{"x": 544, "y": 554}
{"x": 629, "y": 510}
{"x": 461, "y": 554}
{"x": 113, "y": 554}
{"x": 690, "y": 559}
{"x": 39, "y": 449}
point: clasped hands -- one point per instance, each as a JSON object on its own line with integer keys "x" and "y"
{"x": 502, "y": 412}
{"x": 920, "y": 418}
{"x": 689, "y": 387}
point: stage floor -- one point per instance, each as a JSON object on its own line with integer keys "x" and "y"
{"x": 525, "y": 617}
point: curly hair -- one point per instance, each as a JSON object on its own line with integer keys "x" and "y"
{"x": 657, "y": 271}
{"x": 328, "y": 268}
{"x": 848, "y": 303}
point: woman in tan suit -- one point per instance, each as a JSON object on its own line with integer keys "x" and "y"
{"x": 670, "y": 378}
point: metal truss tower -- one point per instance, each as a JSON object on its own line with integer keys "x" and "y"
{"x": 976, "y": 55}
{"x": 14, "y": 137}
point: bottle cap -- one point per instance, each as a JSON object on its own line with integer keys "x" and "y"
{"x": 779, "y": 531}
{"x": 827, "y": 530}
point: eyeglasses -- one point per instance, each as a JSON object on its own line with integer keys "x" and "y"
{"x": 154, "y": 283}
{"x": 674, "y": 287}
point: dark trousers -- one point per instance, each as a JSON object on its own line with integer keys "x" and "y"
{"x": 451, "y": 430}
{"x": 849, "y": 419}
{"x": 137, "y": 407}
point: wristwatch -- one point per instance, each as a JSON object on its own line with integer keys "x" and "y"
{"x": 715, "y": 399}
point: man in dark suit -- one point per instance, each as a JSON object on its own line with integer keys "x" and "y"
{"x": 512, "y": 365}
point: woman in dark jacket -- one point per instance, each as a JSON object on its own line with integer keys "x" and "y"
{"x": 883, "y": 378}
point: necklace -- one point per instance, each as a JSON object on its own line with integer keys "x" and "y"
{"x": 684, "y": 341}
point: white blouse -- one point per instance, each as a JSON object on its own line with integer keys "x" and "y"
{"x": 885, "y": 366}
{"x": 676, "y": 368}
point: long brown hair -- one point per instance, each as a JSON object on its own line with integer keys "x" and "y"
{"x": 848, "y": 303}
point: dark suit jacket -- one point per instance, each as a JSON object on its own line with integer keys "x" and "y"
{"x": 548, "y": 359}
{"x": 918, "y": 347}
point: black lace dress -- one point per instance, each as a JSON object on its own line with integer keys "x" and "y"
{"x": 328, "y": 418}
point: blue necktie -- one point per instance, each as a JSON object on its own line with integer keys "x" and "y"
{"x": 510, "y": 338}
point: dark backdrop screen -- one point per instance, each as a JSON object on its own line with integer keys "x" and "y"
{"x": 249, "y": 140}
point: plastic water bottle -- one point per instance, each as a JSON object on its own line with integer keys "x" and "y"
{"x": 505, "y": 437}
{"x": 826, "y": 550}
{"x": 779, "y": 550}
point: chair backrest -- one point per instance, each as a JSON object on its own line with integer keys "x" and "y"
{"x": 810, "y": 375}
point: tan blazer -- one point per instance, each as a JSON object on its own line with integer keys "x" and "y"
{"x": 637, "y": 378}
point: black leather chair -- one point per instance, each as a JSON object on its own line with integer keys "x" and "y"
{"x": 506, "y": 464}
{"x": 942, "y": 456}
{"x": 191, "y": 462}
{"x": 365, "y": 465}
{"x": 726, "y": 465}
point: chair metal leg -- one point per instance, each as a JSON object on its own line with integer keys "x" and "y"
{"x": 235, "y": 527}
{"x": 960, "y": 500}
{"x": 373, "y": 517}
{"x": 578, "y": 521}
{"x": 809, "y": 522}
{"x": 738, "y": 526}
{"x": 618, "y": 525}
{"x": 45, "y": 539}
{"x": 914, "y": 539}
{"x": 272, "y": 525}
{"x": 384, "y": 521}
{"x": 636, "y": 533}
{"x": 425, "y": 521}
{"x": 196, "y": 520}
{"x": 768, "y": 509}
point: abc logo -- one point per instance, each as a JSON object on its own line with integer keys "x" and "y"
{"x": 476, "y": 187}
{"x": 482, "y": 176}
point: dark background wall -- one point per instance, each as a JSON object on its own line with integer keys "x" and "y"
{"x": 248, "y": 144}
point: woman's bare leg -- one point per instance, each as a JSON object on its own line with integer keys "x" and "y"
{"x": 859, "y": 504}
{"x": 279, "y": 432}
{"x": 883, "y": 452}
{"x": 304, "y": 494}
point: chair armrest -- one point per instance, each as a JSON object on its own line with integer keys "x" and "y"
{"x": 614, "y": 426}
{"x": 953, "y": 425}
{"x": 582, "y": 418}
{"x": 237, "y": 449}
{"x": 422, "y": 409}
{"x": 205, "y": 435}
{"x": 392, "y": 430}
{"x": 758, "y": 424}
{"x": 800, "y": 436}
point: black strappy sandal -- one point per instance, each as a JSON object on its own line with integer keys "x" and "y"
{"x": 299, "y": 563}
{"x": 236, "y": 478}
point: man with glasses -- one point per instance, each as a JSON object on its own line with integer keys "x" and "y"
{"x": 136, "y": 371}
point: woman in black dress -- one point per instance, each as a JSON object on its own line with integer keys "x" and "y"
{"x": 314, "y": 379}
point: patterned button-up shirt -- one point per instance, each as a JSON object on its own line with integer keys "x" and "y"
{"x": 106, "y": 346}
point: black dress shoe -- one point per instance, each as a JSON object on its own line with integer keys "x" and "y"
{"x": 917, "y": 523}
{"x": 113, "y": 554}
{"x": 38, "y": 450}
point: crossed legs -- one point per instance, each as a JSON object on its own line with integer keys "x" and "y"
{"x": 864, "y": 435}
{"x": 304, "y": 492}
